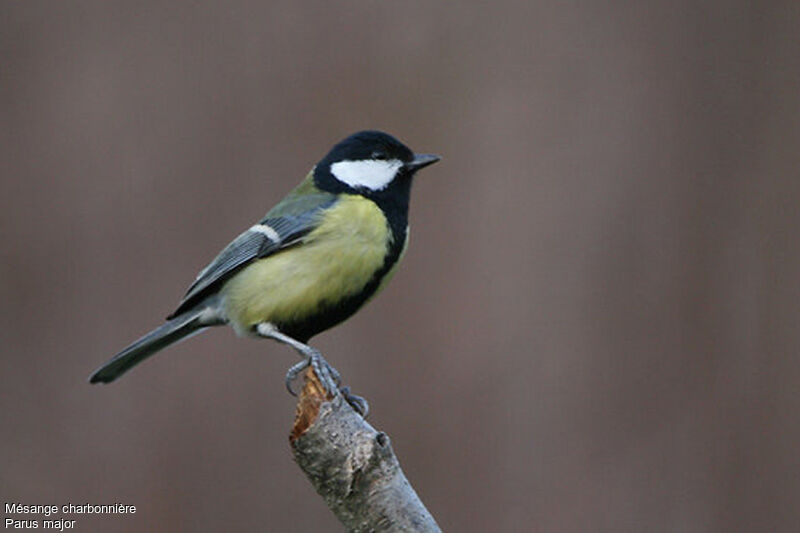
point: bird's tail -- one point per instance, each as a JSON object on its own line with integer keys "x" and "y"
{"x": 171, "y": 332}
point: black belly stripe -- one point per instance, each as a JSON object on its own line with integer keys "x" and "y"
{"x": 333, "y": 314}
{"x": 393, "y": 202}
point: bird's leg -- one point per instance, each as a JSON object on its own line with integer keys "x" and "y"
{"x": 328, "y": 376}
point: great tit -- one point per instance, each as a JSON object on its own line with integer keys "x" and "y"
{"x": 310, "y": 263}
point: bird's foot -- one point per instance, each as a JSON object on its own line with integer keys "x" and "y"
{"x": 328, "y": 376}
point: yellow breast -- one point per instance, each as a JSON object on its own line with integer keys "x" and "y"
{"x": 334, "y": 261}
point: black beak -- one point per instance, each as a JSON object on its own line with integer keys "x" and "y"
{"x": 421, "y": 161}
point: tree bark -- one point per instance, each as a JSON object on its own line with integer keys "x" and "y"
{"x": 352, "y": 466}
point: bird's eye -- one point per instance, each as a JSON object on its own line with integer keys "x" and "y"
{"x": 379, "y": 154}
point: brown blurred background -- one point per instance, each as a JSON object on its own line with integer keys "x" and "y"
{"x": 596, "y": 325}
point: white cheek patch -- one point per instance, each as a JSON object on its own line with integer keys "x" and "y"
{"x": 370, "y": 173}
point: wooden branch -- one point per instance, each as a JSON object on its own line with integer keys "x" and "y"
{"x": 352, "y": 465}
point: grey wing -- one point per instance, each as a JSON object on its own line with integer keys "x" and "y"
{"x": 261, "y": 240}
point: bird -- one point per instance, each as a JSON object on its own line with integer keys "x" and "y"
{"x": 309, "y": 264}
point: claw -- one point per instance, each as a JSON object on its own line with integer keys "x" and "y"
{"x": 293, "y": 374}
{"x": 358, "y": 403}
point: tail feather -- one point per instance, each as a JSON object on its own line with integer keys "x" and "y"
{"x": 171, "y": 332}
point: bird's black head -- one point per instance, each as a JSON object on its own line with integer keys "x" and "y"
{"x": 371, "y": 163}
